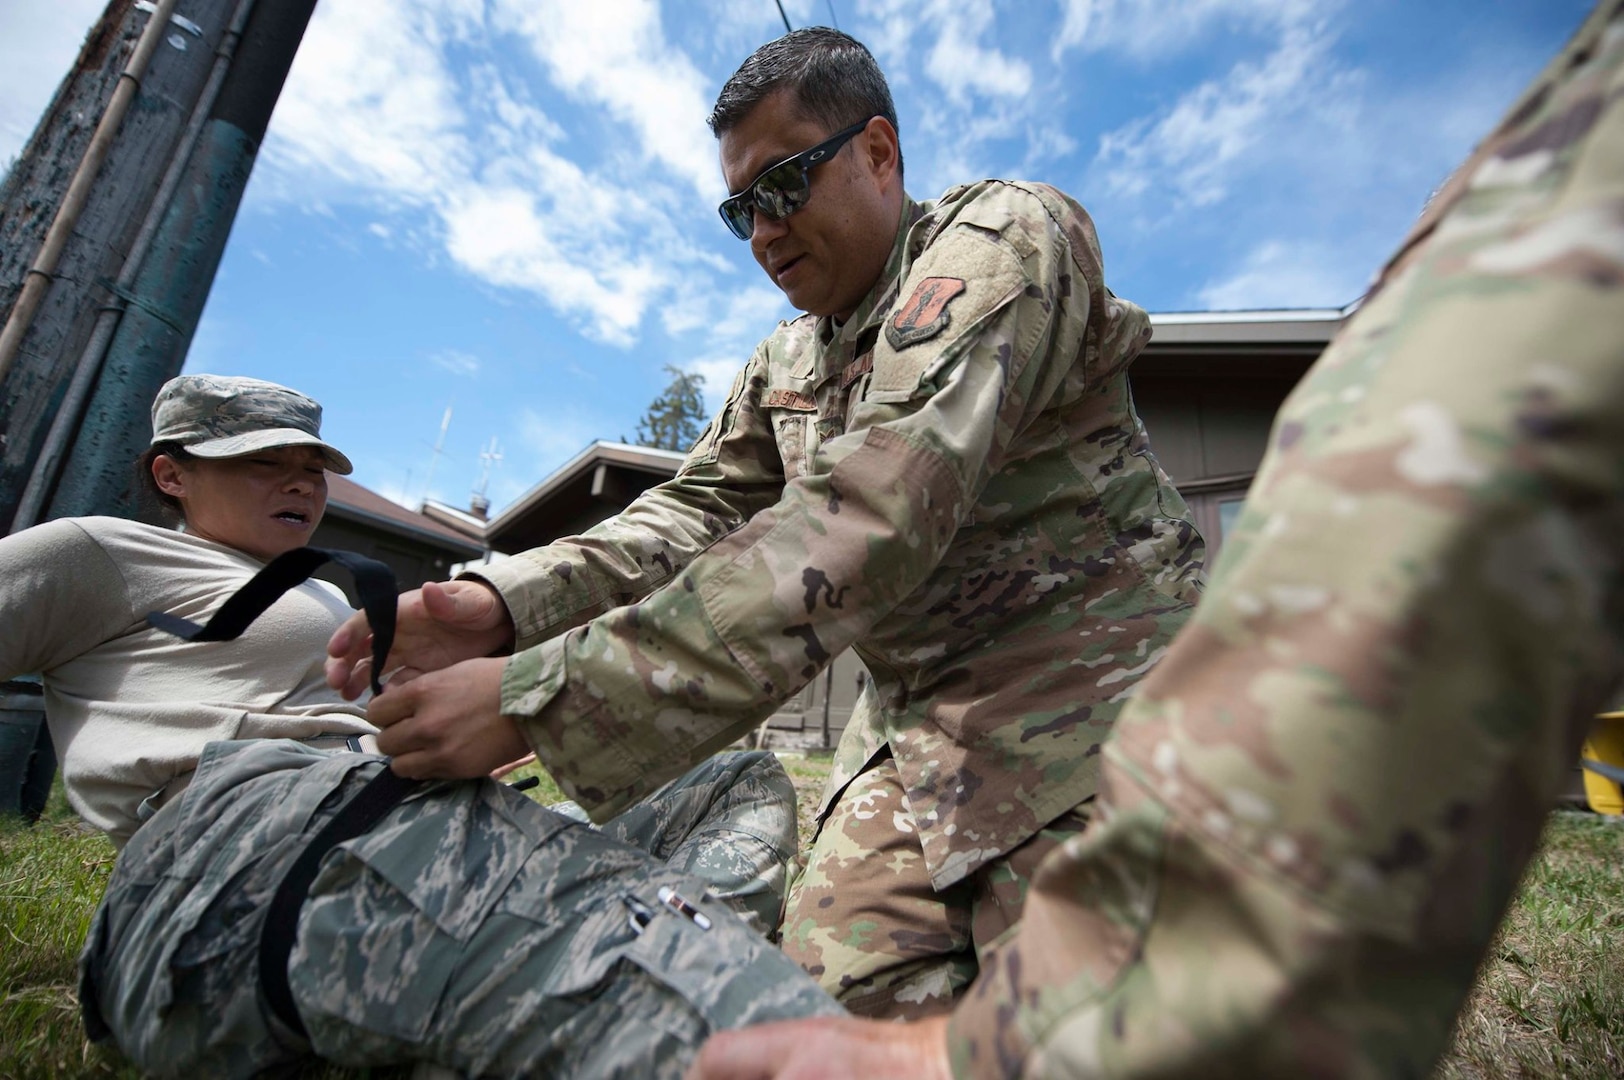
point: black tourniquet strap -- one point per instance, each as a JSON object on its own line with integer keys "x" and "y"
{"x": 380, "y": 795}
{"x": 373, "y": 580}
{"x": 376, "y": 584}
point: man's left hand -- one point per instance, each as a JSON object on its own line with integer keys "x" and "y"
{"x": 447, "y": 724}
{"x": 826, "y": 1049}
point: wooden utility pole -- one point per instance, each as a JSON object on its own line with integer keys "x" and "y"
{"x": 124, "y": 297}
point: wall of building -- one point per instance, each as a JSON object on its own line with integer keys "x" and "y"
{"x": 1209, "y": 433}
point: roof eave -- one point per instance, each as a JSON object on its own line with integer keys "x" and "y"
{"x": 601, "y": 451}
{"x": 399, "y": 528}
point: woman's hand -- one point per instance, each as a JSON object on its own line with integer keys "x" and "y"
{"x": 436, "y": 626}
{"x": 827, "y": 1048}
{"x": 448, "y": 724}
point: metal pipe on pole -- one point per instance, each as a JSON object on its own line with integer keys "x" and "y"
{"x": 166, "y": 296}
{"x": 828, "y": 694}
{"x": 41, "y": 273}
{"x": 118, "y": 209}
{"x": 47, "y": 469}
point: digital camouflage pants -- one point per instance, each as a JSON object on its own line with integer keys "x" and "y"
{"x": 864, "y": 920}
{"x": 471, "y": 927}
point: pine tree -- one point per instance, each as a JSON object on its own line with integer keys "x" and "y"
{"x": 675, "y": 418}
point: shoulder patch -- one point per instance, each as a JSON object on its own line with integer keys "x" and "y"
{"x": 925, "y": 314}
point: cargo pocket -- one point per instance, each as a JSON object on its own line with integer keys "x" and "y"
{"x": 391, "y": 913}
{"x": 590, "y": 953}
{"x": 727, "y": 976}
{"x": 216, "y": 959}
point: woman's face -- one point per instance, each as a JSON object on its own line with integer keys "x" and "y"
{"x": 262, "y": 504}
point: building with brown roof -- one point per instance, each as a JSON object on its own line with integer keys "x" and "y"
{"x": 416, "y": 547}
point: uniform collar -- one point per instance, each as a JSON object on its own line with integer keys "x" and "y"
{"x": 879, "y": 298}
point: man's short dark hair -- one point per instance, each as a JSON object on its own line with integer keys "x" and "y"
{"x": 833, "y": 77}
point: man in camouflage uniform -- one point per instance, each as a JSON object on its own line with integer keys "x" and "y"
{"x": 940, "y": 465}
{"x": 1316, "y": 809}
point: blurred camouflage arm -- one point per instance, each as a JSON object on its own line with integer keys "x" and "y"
{"x": 731, "y": 473}
{"x": 617, "y": 706}
{"x": 1319, "y": 804}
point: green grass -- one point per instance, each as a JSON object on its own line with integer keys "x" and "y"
{"x": 1549, "y": 1000}
{"x": 52, "y": 876}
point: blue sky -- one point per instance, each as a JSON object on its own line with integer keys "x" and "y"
{"x": 506, "y": 208}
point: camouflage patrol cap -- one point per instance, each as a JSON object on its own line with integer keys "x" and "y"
{"x": 222, "y": 416}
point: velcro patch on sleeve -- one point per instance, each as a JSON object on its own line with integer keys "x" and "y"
{"x": 928, "y": 329}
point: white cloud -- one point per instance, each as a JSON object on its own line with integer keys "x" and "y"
{"x": 614, "y": 53}
{"x": 718, "y": 373}
{"x": 456, "y": 362}
{"x": 1277, "y": 274}
{"x": 1195, "y": 148}
{"x": 970, "y": 94}
{"x": 504, "y": 237}
{"x": 962, "y": 65}
{"x": 516, "y": 123}
{"x": 376, "y": 112}
{"x": 732, "y": 323}
{"x": 371, "y": 104}
{"x": 951, "y": 35}
{"x": 1151, "y": 29}
{"x": 737, "y": 316}
{"x": 548, "y": 441}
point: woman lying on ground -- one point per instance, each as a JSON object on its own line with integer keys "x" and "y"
{"x": 468, "y": 926}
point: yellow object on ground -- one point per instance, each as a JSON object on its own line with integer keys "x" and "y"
{"x": 1606, "y": 745}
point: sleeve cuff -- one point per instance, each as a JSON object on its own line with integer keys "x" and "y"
{"x": 514, "y": 581}
{"x": 604, "y": 782}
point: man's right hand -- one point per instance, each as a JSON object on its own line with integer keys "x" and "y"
{"x": 441, "y": 624}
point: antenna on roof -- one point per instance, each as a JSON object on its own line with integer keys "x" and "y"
{"x": 479, "y": 504}
{"x": 439, "y": 448}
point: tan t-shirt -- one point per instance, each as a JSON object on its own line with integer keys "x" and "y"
{"x": 130, "y": 708}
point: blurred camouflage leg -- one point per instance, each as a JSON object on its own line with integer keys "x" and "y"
{"x": 1318, "y": 805}
{"x": 1000, "y": 888}
{"x": 864, "y": 920}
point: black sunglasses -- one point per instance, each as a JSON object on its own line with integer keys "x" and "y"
{"x": 783, "y": 188}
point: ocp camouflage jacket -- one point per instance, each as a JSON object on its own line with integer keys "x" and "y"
{"x": 954, "y": 482}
